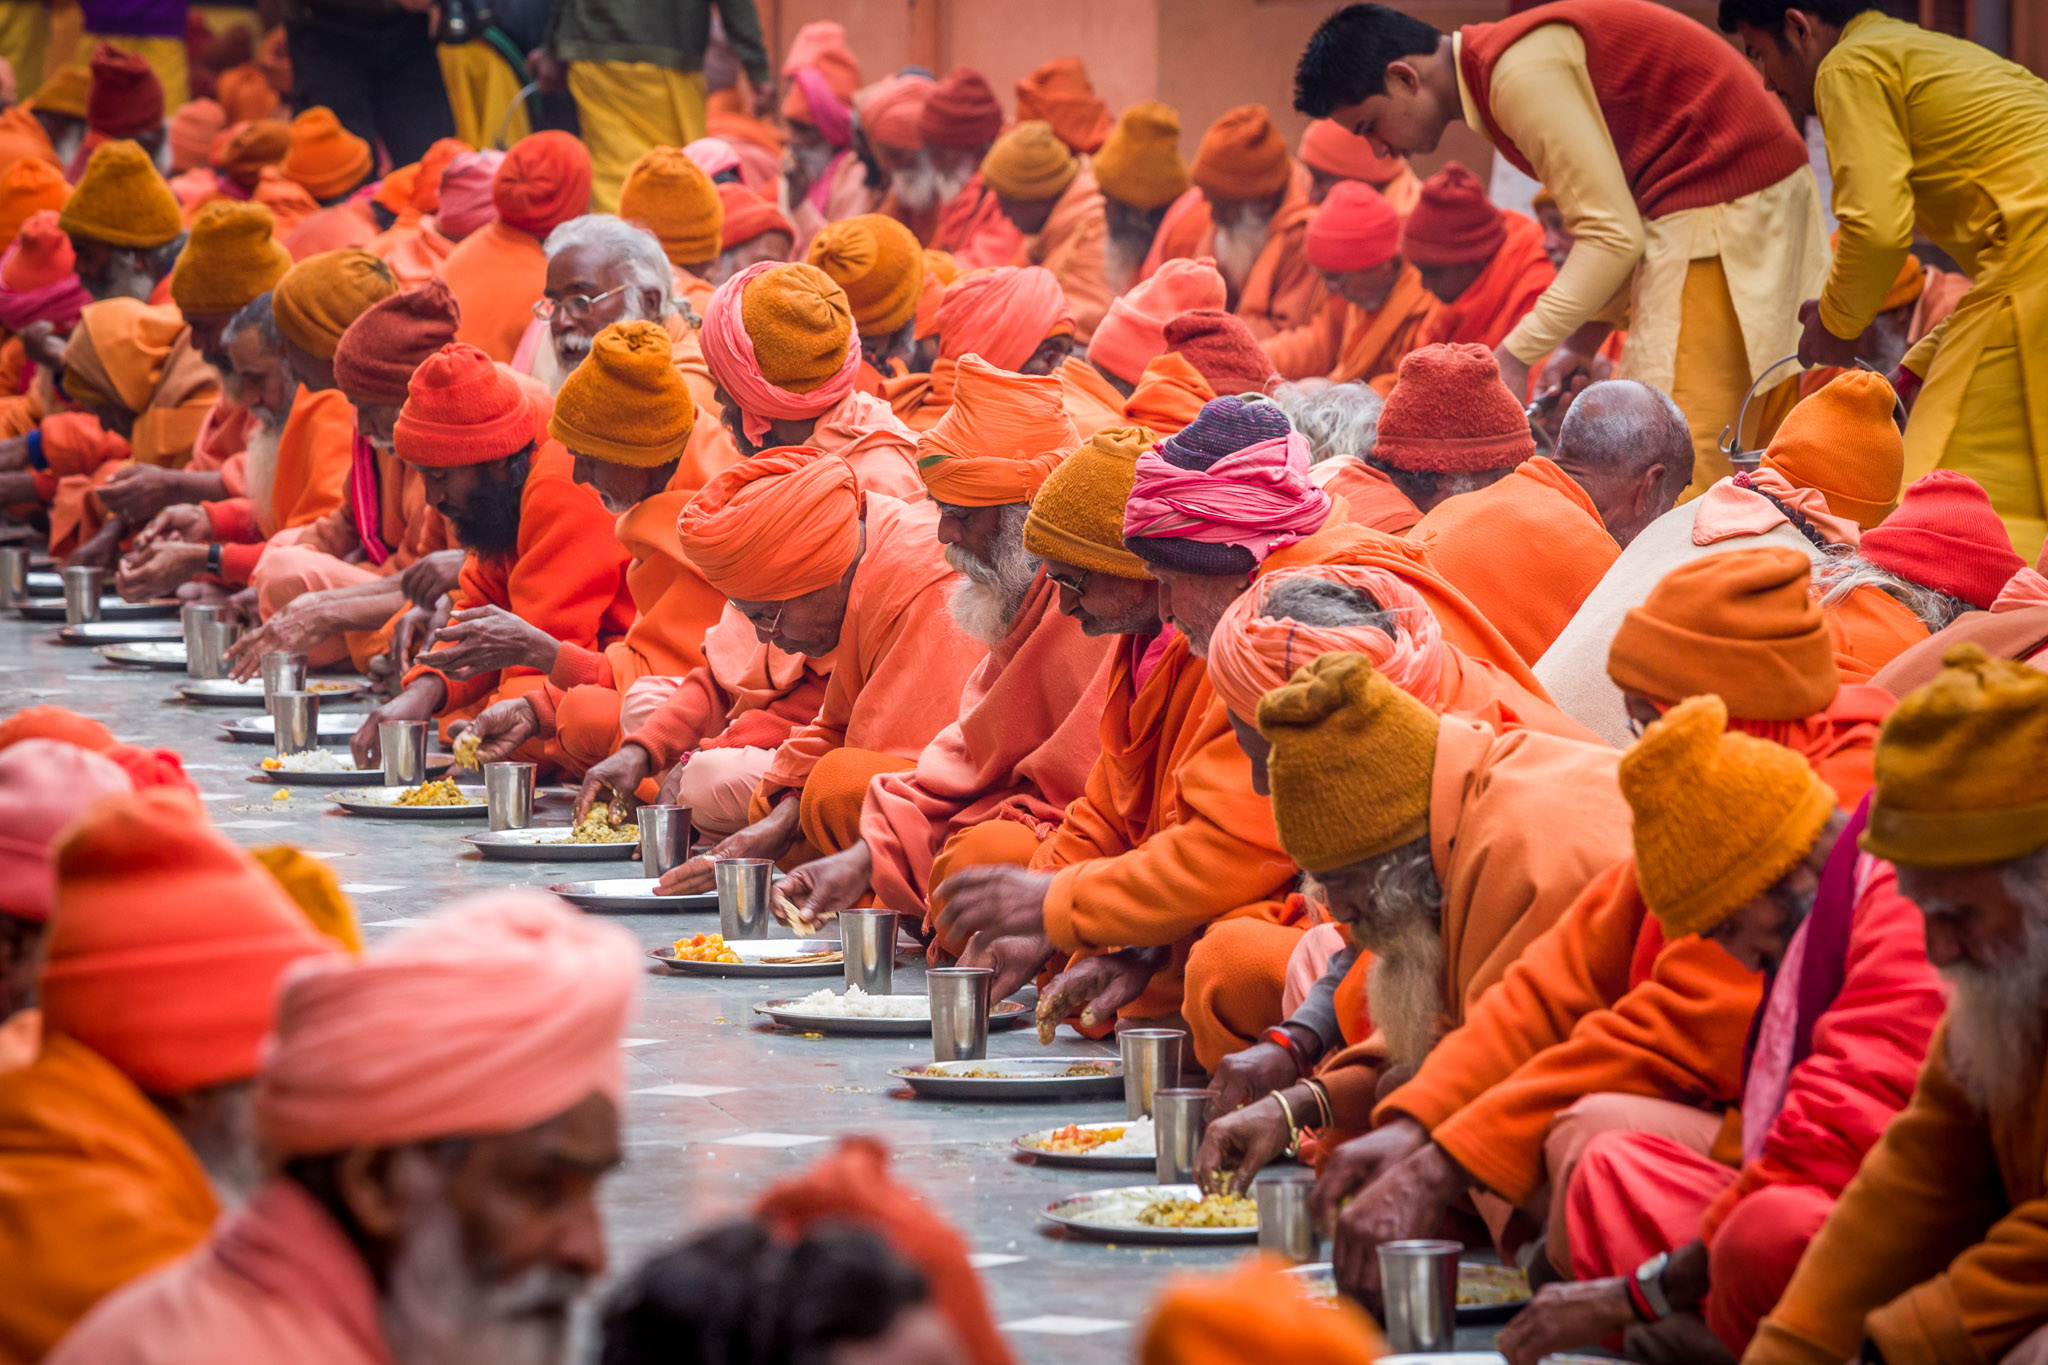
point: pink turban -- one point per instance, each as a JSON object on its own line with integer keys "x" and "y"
{"x": 829, "y": 114}
{"x": 1252, "y": 651}
{"x": 797, "y": 310}
{"x": 1002, "y": 315}
{"x": 466, "y": 202}
{"x": 713, "y": 155}
{"x": 1131, "y": 335}
{"x": 890, "y": 107}
{"x": 45, "y": 784}
{"x": 1258, "y": 499}
{"x": 500, "y": 1013}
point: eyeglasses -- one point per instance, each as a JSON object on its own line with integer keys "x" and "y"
{"x": 575, "y": 307}
{"x": 1076, "y": 586}
{"x": 754, "y": 620}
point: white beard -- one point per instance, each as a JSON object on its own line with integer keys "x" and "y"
{"x": 1998, "y": 1024}
{"x": 917, "y": 189}
{"x": 1405, "y": 989}
{"x": 985, "y": 603}
{"x": 261, "y": 474}
{"x": 1238, "y": 246}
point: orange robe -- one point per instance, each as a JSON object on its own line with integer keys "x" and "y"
{"x": 96, "y": 1188}
{"x": 974, "y": 230}
{"x": 863, "y": 431}
{"x": 287, "y": 200}
{"x": 1168, "y": 395}
{"x": 1505, "y": 291}
{"x": 1018, "y": 752}
{"x": 1071, "y": 245}
{"x": 332, "y": 229}
{"x": 1599, "y": 1003}
{"x": 920, "y": 400}
{"x": 497, "y": 274}
{"x": 1839, "y": 740}
{"x": 1090, "y": 400}
{"x": 1283, "y": 290}
{"x": 1343, "y": 342}
{"x": 314, "y": 452}
{"x": 1527, "y": 550}
{"x": 1182, "y": 230}
{"x": 415, "y": 251}
{"x": 746, "y": 693}
{"x": 1376, "y": 500}
{"x": 1870, "y": 628}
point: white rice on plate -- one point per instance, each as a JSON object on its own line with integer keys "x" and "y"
{"x": 314, "y": 761}
{"x": 855, "y": 1003}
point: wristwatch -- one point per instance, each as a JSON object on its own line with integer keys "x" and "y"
{"x": 1649, "y": 1284}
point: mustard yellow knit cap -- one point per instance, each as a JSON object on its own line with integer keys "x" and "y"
{"x": 1077, "y": 515}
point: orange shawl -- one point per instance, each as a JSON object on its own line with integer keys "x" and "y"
{"x": 1377, "y": 503}
{"x": 497, "y": 274}
{"x": 1870, "y": 628}
{"x": 1504, "y": 292}
{"x": 1070, "y": 245}
{"x": 1344, "y": 343}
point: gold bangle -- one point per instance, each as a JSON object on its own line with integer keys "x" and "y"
{"x": 1293, "y": 1129}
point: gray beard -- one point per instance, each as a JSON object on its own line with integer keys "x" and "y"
{"x": 988, "y": 597}
{"x": 1997, "y": 1026}
{"x": 1237, "y": 250}
{"x": 260, "y": 477}
{"x": 1405, "y": 991}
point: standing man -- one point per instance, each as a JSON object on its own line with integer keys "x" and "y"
{"x": 1686, "y": 191}
{"x": 373, "y": 63}
{"x": 1930, "y": 131}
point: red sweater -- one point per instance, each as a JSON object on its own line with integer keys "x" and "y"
{"x": 1691, "y": 121}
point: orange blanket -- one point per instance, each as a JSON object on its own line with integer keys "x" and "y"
{"x": 1091, "y": 400}
{"x": 1343, "y": 342}
{"x": 1505, "y": 291}
{"x": 882, "y": 450}
{"x": 1840, "y": 740}
{"x": 1169, "y": 394}
{"x": 415, "y": 251}
{"x": 1377, "y": 502}
{"x": 497, "y": 274}
{"x": 973, "y": 229}
{"x": 740, "y": 678}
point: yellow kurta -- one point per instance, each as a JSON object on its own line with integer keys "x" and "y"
{"x": 482, "y": 90}
{"x": 1930, "y": 131}
{"x": 626, "y": 108}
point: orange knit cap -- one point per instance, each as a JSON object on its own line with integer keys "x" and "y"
{"x": 122, "y": 200}
{"x": 1029, "y": 161}
{"x": 40, "y": 256}
{"x": 543, "y": 182}
{"x": 192, "y": 130}
{"x": 879, "y": 264}
{"x": 219, "y": 935}
{"x": 1255, "y": 1313}
{"x": 231, "y": 256}
{"x": 59, "y": 723}
{"x": 245, "y": 94}
{"x": 66, "y": 91}
{"x": 426, "y": 189}
{"x": 1140, "y": 164}
{"x": 747, "y": 216}
{"x": 251, "y": 147}
{"x": 1450, "y": 413}
{"x": 626, "y": 403}
{"x": 1242, "y": 156}
{"x": 774, "y": 527}
{"x": 1355, "y": 229}
{"x": 27, "y": 188}
{"x": 1132, "y": 332}
{"x": 1061, "y": 94}
{"x": 1003, "y": 315}
{"x": 1328, "y": 147}
{"x": 1003, "y": 435}
{"x": 320, "y": 296}
{"x": 669, "y": 195}
{"x": 1453, "y": 223}
{"x": 800, "y": 323}
{"x": 461, "y": 408}
{"x": 326, "y": 159}
{"x": 1741, "y": 624}
{"x": 1843, "y": 442}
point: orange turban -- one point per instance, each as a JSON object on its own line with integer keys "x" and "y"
{"x": 245, "y": 93}
{"x": 626, "y": 403}
{"x": 1133, "y": 331}
{"x": 45, "y": 784}
{"x": 821, "y": 45}
{"x": 426, "y": 190}
{"x": 27, "y": 188}
{"x": 543, "y": 182}
{"x": 1003, "y": 315}
{"x": 192, "y": 130}
{"x": 669, "y": 195}
{"x": 1453, "y": 223}
{"x": 1255, "y": 1313}
{"x": 22, "y": 137}
{"x": 879, "y": 264}
{"x": 1843, "y": 442}
{"x": 230, "y": 257}
{"x": 1329, "y": 148}
{"x": 1004, "y": 433}
{"x": 1252, "y": 652}
{"x": 320, "y": 296}
{"x": 748, "y": 215}
{"x": 326, "y": 159}
{"x": 777, "y": 526}
{"x": 251, "y": 147}
{"x": 1030, "y": 162}
{"x": 1242, "y": 156}
{"x": 1140, "y": 164}
{"x": 122, "y": 200}
{"x": 940, "y": 270}
{"x": 1740, "y": 624}
{"x": 219, "y": 934}
{"x": 1060, "y": 93}
{"x": 66, "y": 91}
{"x": 417, "y": 1038}
{"x": 889, "y": 108}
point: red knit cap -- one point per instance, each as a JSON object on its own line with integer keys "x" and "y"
{"x": 1945, "y": 536}
{"x": 461, "y": 408}
{"x": 961, "y": 111}
{"x": 39, "y": 256}
{"x": 1449, "y": 413}
{"x": 126, "y": 98}
{"x": 1454, "y": 223}
{"x": 747, "y": 216}
{"x": 380, "y": 350}
{"x": 1223, "y": 349}
{"x": 543, "y": 182}
{"x": 1355, "y": 229}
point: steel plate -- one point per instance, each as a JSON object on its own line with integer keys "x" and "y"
{"x": 1031, "y": 1078}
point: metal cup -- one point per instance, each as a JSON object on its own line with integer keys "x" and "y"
{"x": 283, "y": 672}
{"x": 1286, "y": 1228}
{"x": 742, "y": 891}
{"x": 13, "y": 574}
{"x": 960, "y": 1002}
{"x": 82, "y": 586}
{"x": 665, "y": 836}
{"x": 1178, "y": 1118}
{"x": 867, "y": 942}
{"x": 295, "y": 721}
{"x": 403, "y": 743}
{"x": 206, "y": 652}
{"x": 191, "y": 617}
{"x": 508, "y": 794}
{"x": 1419, "y": 1283}
{"x": 1151, "y": 1064}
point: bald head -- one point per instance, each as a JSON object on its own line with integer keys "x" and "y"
{"x": 1628, "y": 446}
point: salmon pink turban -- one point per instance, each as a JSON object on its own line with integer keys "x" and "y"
{"x": 714, "y": 156}
{"x": 38, "y": 277}
{"x": 1236, "y": 479}
{"x": 466, "y": 199}
{"x": 1355, "y": 229}
{"x": 543, "y": 182}
{"x": 1330, "y": 148}
{"x": 501, "y": 1012}
{"x": 1061, "y": 93}
{"x": 890, "y": 107}
{"x": 748, "y": 215}
{"x": 193, "y": 129}
{"x": 145, "y": 767}
{"x": 779, "y": 339}
{"x": 1003, "y": 315}
{"x": 777, "y": 526}
{"x": 45, "y": 784}
{"x": 1133, "y": 332}
{"x": 811, "y": 99}
{"x": 1004, "y": 433}
{"x": 1252, "y": 651}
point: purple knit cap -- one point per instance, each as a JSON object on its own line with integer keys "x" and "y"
{"x": 1223, "y": 427}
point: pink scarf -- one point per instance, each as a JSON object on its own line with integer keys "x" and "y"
{"x": 58, "y": 304}
{"x": 729, "y": 352}
{"x": 830, "y": 115}
{"x": 228, "y": 189}
{"x": 1770, "y": 1065}
{"x": 1735, "y": 507}
{"x": 1259, "y": 499}
{"x": 1251, "y": 652}
{"x": 366, "y": 498}
{"x": 2027, "y": 588}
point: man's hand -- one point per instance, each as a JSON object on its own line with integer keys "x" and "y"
{"x": 1819, "y": 346}
{"x": 159, "y": 570}
{"x": 549, "y": 73}
{"x": 418, "y": 702}
{"x": 1357, "y": 1163}
{"x": 1016, "y": 961}
{"x": 1248, "y": 1076}
{"x": 483, "y": 640}
{"x": 296, "y": 629}
{"x": 431, "y": 577}
{"x": 184, "y": 521}
{"x": 409, "y": 638}
{"x": 1562, "y": 1316}
{"x": 40, "y": 342}
{"x": 503, "y": 727}
{"x": 1513, "y": 373}
{"x": 17, "y": 486}
{"x": 139, "y": 492}
{"x": 1407, "y": 1202}
{"x": 1099, "y": 985}
{"x": 825, "y": 886}
{"x": 769, "y": 837}
{"x": 1238, "y": 1146}
{"x": 998, "y": 901}
{"x": 616, "y": 779}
